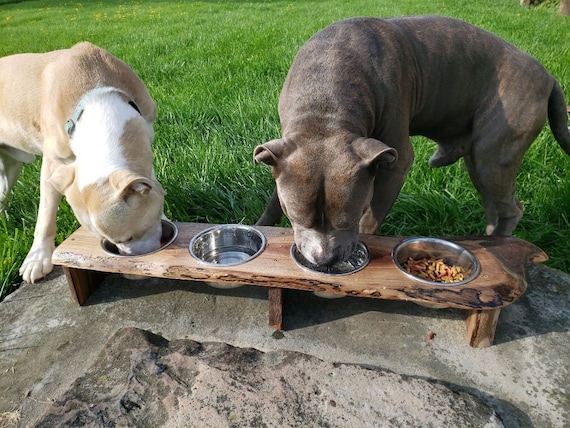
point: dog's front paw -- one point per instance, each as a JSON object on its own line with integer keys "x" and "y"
{"x": 37, "y": 265}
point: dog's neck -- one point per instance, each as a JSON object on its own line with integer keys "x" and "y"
{"x": 99, "y": 125}
{"x": 80, "y": 108}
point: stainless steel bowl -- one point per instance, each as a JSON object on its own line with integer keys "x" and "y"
{"x": 435, "y": 248}
{"x": 227, "y": 245}
{"x": 169, "y": 234}
{"x": 357, "y": 261}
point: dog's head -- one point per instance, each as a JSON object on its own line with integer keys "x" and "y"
{"x": 324, "y": 190}
{"x": 111, "y": 185}
{"x": 125, "y": 209}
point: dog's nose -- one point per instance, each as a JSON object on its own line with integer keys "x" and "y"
{"x": 324, "y": 250}
{"x": 324, "y": 257}
{"x": 330, "y": 259}
{"x": 124, "y": 251}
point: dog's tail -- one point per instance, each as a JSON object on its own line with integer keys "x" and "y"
{"x": 558, "y": 117}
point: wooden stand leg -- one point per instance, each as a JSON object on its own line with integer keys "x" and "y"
{"x": 82, "y": 283}
{"x": 276, "y": 308}
{"x": 481, "y": 327}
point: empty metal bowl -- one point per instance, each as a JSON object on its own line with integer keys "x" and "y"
{"x": 357, "y": 261}
{"x": 227, "y": 245}
{"x": 433, "y": 249}
{"x": 169, "y": 234}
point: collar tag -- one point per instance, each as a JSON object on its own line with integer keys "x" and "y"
{"x": 70, "y": 124}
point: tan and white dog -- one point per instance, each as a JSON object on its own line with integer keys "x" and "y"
{"x": 91, "y": 118}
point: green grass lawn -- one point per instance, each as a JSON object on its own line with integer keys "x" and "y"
{"x": 215, "y": 69}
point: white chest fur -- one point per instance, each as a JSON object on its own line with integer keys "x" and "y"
{"x": 96, "y": 138}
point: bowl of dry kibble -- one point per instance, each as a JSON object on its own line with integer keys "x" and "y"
{"x": 435, "y": 261}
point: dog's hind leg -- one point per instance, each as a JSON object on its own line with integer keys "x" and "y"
{"x": 9, "y": 171}
{"x": 495, "y": 183}
{"x": 497, "y": 152}
{"x": 490, "y": 212}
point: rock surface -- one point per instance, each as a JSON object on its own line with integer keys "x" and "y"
{"x": 49, "y": 345}
{"x": 141, "y": 379}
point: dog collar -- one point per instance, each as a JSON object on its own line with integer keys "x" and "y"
{"x": 70, "y": 124}
{"x": 80, "y": 108}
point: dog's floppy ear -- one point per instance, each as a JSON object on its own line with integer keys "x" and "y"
{"x": 375, "y": 153}
{"x": 62, "y": 177}
{"x": 135, "y": 190}
{"x": 128, "y": 185}
{"x": 151, "y": 116}
{"x": 270, "y": 152}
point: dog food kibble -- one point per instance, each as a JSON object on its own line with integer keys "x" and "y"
{"x": 435, "y": 270}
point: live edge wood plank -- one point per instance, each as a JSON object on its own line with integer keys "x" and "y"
{"x": 500, "y": 282}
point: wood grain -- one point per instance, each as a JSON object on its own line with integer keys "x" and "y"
{"x": 276, "y": 308}
{"x": 500, "y": 282}
{"x": 481, "y": 327}
{"x": 82, "y": 283}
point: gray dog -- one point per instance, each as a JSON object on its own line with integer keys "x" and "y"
{"x": 358, "y": 89}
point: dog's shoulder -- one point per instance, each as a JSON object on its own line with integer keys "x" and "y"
{"x": 94, "y": 66}
{"x": 90, "y": 57}
{"x": 84, "y": 47}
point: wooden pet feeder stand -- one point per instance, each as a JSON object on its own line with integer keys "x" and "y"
{"x": 500, "y": 282}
